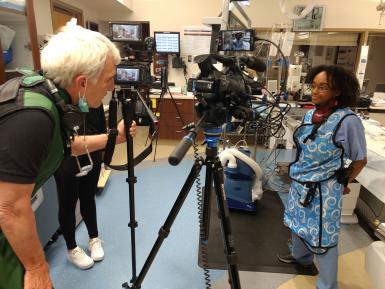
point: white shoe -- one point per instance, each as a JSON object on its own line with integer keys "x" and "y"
{"x": 80, "y": 258}
{"x": 96, "y": 249}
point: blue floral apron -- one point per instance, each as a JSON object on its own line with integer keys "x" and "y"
{"x": 314, "y": 204}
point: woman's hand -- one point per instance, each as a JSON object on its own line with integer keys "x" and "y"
{"x": 122, "y": 133}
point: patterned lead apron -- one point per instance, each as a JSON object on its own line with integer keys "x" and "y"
{"x": 314, "y": 204}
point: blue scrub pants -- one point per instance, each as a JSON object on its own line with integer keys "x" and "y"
{"x": 327, "y": 263}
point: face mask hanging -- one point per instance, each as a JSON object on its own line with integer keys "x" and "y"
{"x": 82, "y": 104}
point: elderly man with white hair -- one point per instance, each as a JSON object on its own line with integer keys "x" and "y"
{"x": 34, "y": 118}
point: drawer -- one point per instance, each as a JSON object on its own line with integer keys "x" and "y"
{"x": 171, "y": 133}
{"x": 173, "y": 119}
{"x": 176, "y": 132}
{"x": 183, "y": 105}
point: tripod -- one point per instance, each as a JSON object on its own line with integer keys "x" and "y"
{"x": 214, "y": 175}
{"x": 128, "y": 97}
{"x": 164, "y": 89}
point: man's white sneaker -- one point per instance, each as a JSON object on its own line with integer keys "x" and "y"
{"x": 96, "y": 249}
{"x": 80, "y": 258}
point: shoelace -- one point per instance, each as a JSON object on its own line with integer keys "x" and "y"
{"x": 96, "y": 241}
{"x": 78, "y": 252}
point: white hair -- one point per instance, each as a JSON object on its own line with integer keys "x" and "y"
{"x": 75, "y": 51}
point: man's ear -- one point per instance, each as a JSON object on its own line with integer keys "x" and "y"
{"x": 80, "y": 82}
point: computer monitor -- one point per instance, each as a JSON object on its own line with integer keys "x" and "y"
{"x": 167, "y": 42}
{"x": 126, "y": 31}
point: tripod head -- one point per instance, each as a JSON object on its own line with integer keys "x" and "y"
{"x": 211, "y": 131}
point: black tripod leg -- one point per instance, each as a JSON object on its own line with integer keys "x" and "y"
{"x": 165, "y": 229}
{"x": 206, "y": 199}
{"x": 128, "y": 116}
{"x": 223, "y": 213}
{"x": 160, "y": 106}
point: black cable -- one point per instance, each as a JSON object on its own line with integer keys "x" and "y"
{"x": 203, "y": 245}
{"x": 272, "y": 124}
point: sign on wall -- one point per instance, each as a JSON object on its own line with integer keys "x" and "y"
{"x": 311, "y": 22}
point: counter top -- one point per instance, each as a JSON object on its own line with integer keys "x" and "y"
{"x": 174, "y": 95}
{"x": 372, "y": 176}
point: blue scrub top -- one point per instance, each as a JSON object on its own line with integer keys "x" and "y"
{"x": 351, "y": 135}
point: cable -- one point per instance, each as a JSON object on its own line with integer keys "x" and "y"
{"x": 270, "y": 117}
{"x": 203, "y": 245}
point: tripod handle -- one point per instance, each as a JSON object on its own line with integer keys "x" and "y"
{"x": 154, "y": 119}
{"x": 181, "y": 149}
{"x": 187, "y": 141}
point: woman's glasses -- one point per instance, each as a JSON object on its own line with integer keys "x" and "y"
{"x": 320, "y": 88}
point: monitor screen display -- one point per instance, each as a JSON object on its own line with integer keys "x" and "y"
{"x": 126, "y": 32}
{"x": 127, "y": 75}
{"x": 236, "y": 40}
{"x": 167, "y": 42}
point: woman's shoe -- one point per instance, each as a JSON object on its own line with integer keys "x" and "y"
{"x": 96, "y": 249}
{"x": 80, "y": 258}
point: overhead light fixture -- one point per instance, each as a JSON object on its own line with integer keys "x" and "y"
{"x": 303, "y": 35}
{"x": 242, "y": 2}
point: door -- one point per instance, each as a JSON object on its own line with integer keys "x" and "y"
{"x": 62, "y": 13}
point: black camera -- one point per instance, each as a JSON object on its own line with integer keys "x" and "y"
{"x": 133, "y": 75}
{"x": 222, "y": 93}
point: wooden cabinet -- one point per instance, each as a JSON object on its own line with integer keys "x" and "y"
{"x": 24, "y": 46}
{"x": 170, "y": 124}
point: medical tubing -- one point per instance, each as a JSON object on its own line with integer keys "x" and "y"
{"x": 257, "y": 183}
{"x": 228, "y": 158}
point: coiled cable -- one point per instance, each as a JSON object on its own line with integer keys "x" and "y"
{"x": 202, "y": 243}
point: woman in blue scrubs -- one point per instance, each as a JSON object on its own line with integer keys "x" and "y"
{"x": 331, "y": 151}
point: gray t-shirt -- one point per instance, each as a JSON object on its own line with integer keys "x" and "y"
{"x": 351, "y": 135}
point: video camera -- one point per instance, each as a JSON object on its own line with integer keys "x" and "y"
{"x": 226, "y": 92}
{"x": 133, "y": 74}
{"x": 134, "y": 78}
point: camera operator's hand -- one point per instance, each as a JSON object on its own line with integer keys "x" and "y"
{"x": 37, "y": 278}
{"x": 121, "y": 131}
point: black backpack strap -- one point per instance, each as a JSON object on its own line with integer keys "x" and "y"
{"x": 113, "y": 132}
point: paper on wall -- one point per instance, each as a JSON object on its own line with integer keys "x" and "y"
{"x": 196, "y": 40}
